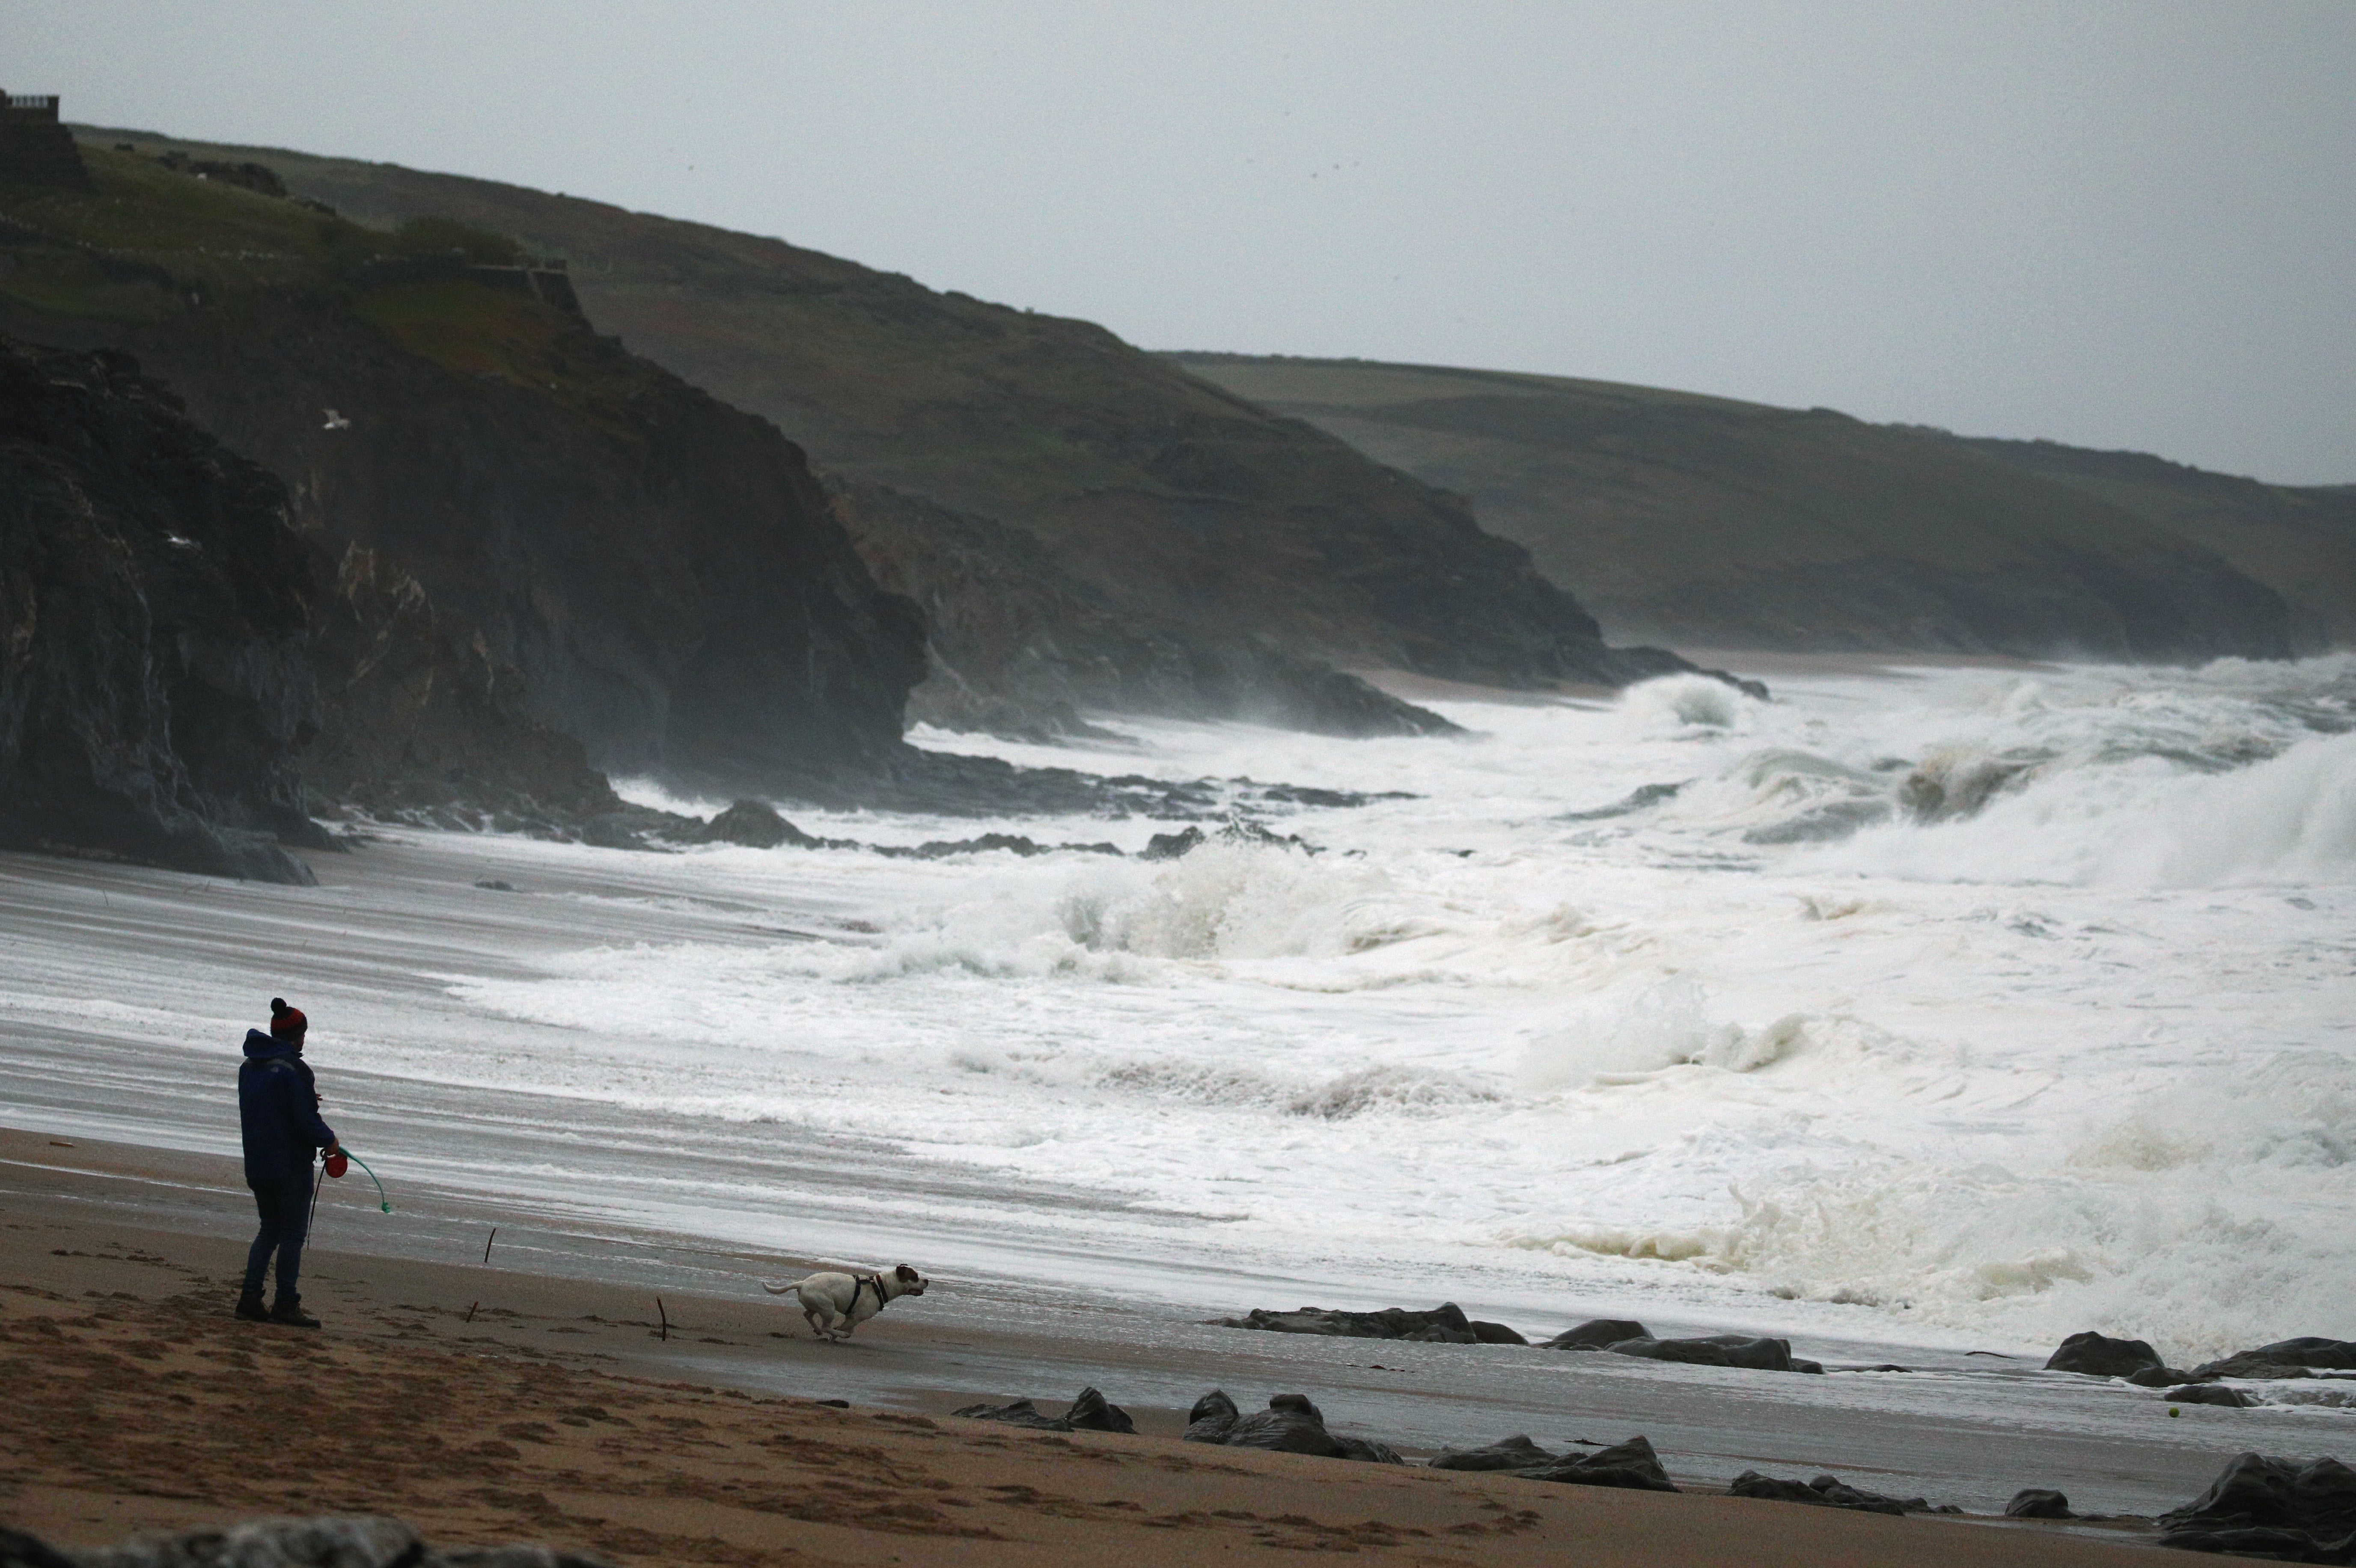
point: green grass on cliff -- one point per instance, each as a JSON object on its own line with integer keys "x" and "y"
{"x": 1647, "y": 498}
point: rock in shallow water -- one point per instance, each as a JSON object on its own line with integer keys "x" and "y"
{"x": 2100, "y": 1356}
{"x": 2211, "y": 1393}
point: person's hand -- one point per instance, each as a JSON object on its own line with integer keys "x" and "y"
{"x": 331, "y": 1151}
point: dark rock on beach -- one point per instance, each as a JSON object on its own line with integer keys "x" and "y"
{"x": 1091, "y": 1412}
{"x": 2289, "y": 1510}
{"x": 1599, "y": 1334}
{"x": 1824, "y": 1491}
{"x": 1290, "y": 1425}
{"x": 1715, "y": 1351}
{"x": 1212, "y": 1418}
{"x": 755, "y": 825}
{"x": 2037, "y": 1502}
{"x": 1022, "y": 1413}
{"x": 1445, "y": 1324}
{"x": 2211, "y": 1393}
{"x": 2100, "y": 1356}
{"x": 2284, "y": 1356}
{"x": 1514, "y": 1453}
{"x": 1631, "y": 1466}
{"x": 155, "y": 612}
{"x": 1497, "y": 1334}
{"x": 2161, "y": 1377}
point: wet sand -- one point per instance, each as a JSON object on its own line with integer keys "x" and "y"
{"x": 516, "y": 1400}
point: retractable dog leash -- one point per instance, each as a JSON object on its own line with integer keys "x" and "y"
{"x": 331, "y": 1166}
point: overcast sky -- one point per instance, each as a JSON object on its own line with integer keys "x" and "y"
{"x": 2128, "y": 225}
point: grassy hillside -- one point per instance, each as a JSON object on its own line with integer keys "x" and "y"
{"x": 1169, "y": 497}
{"x": 1704, "y": 519}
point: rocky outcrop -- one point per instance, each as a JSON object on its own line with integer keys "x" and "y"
{"x": 1016, "y": 645}
{"x": 2284, "y": 1356}
{"x": 154, "y": 622}
{"x": 1828, "y": 1491}
{"x": 2210, "y": 1393}
{"x": 1631, "y": 1465}
{"x": 1445, "y": 1324}
{"x": 1598, "y": 1334}
{"x": 1514, "y": 1453}
{"x": 419, "y": 724}
{"x": 1759, "y": 1355}
{"x": 1290, "y": 1425}
{"x": 2096, "y": 1355}
{"x": 1091, "y": 1412}
{"x": 2037, "y": 1502}
{"x": 2293, "y": 1510}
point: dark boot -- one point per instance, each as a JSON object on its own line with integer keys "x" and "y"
{"x": 249, "y": 1307}
{"x": 288, "y": 1309}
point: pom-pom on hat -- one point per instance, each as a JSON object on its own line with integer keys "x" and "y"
{"x": 286, "y": 1023}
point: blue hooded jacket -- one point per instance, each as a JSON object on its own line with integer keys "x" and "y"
{"x": 278, "y": 1108}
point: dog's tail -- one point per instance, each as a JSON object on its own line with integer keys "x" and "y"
{"x": 780, "y": 1286}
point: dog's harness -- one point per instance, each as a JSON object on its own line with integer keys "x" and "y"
{"x": 860, "y": 1280}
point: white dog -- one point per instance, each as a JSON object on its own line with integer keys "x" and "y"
{"x": 835, "y": 1304}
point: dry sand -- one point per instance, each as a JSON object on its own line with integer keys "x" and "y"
{"x": 557, "y": 1414}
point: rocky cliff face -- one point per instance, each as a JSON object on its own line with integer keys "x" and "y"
{"x": 658, "y": 574}
{"x": 1019, "y": 646}
{"x": 1267, "y": 543}
{"x": 154, "y": 677}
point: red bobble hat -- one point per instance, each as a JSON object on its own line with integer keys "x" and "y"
{"x": 286, "y": 1023}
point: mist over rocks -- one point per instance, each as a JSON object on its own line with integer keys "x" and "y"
{"x": 1019, "y": 646}
{"x": 155, "y": 678}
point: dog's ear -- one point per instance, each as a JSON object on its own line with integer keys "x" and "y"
{"x": 904, "y": 1271}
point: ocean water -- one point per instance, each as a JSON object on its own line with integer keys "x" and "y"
{"x": 1975, "y": 1003}
{"x": 1939, "y": 1007}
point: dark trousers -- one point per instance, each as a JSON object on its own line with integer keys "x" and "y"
{"x": 286, "y": 1205}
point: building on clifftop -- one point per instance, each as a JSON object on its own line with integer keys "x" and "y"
{"x": 35, "y": 146}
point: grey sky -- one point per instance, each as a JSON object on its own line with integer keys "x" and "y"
{"x": 2115, "y": 224}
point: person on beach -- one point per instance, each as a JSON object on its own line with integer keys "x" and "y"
{"x": 278, "y": 1110}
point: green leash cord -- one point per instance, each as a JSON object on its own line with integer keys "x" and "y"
{"x": 381, "y": 1200}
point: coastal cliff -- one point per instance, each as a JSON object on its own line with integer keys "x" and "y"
{"x": 155, "y": 672}
{"x": 658, "y": 574}
{"x": 1277, "y": 552}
